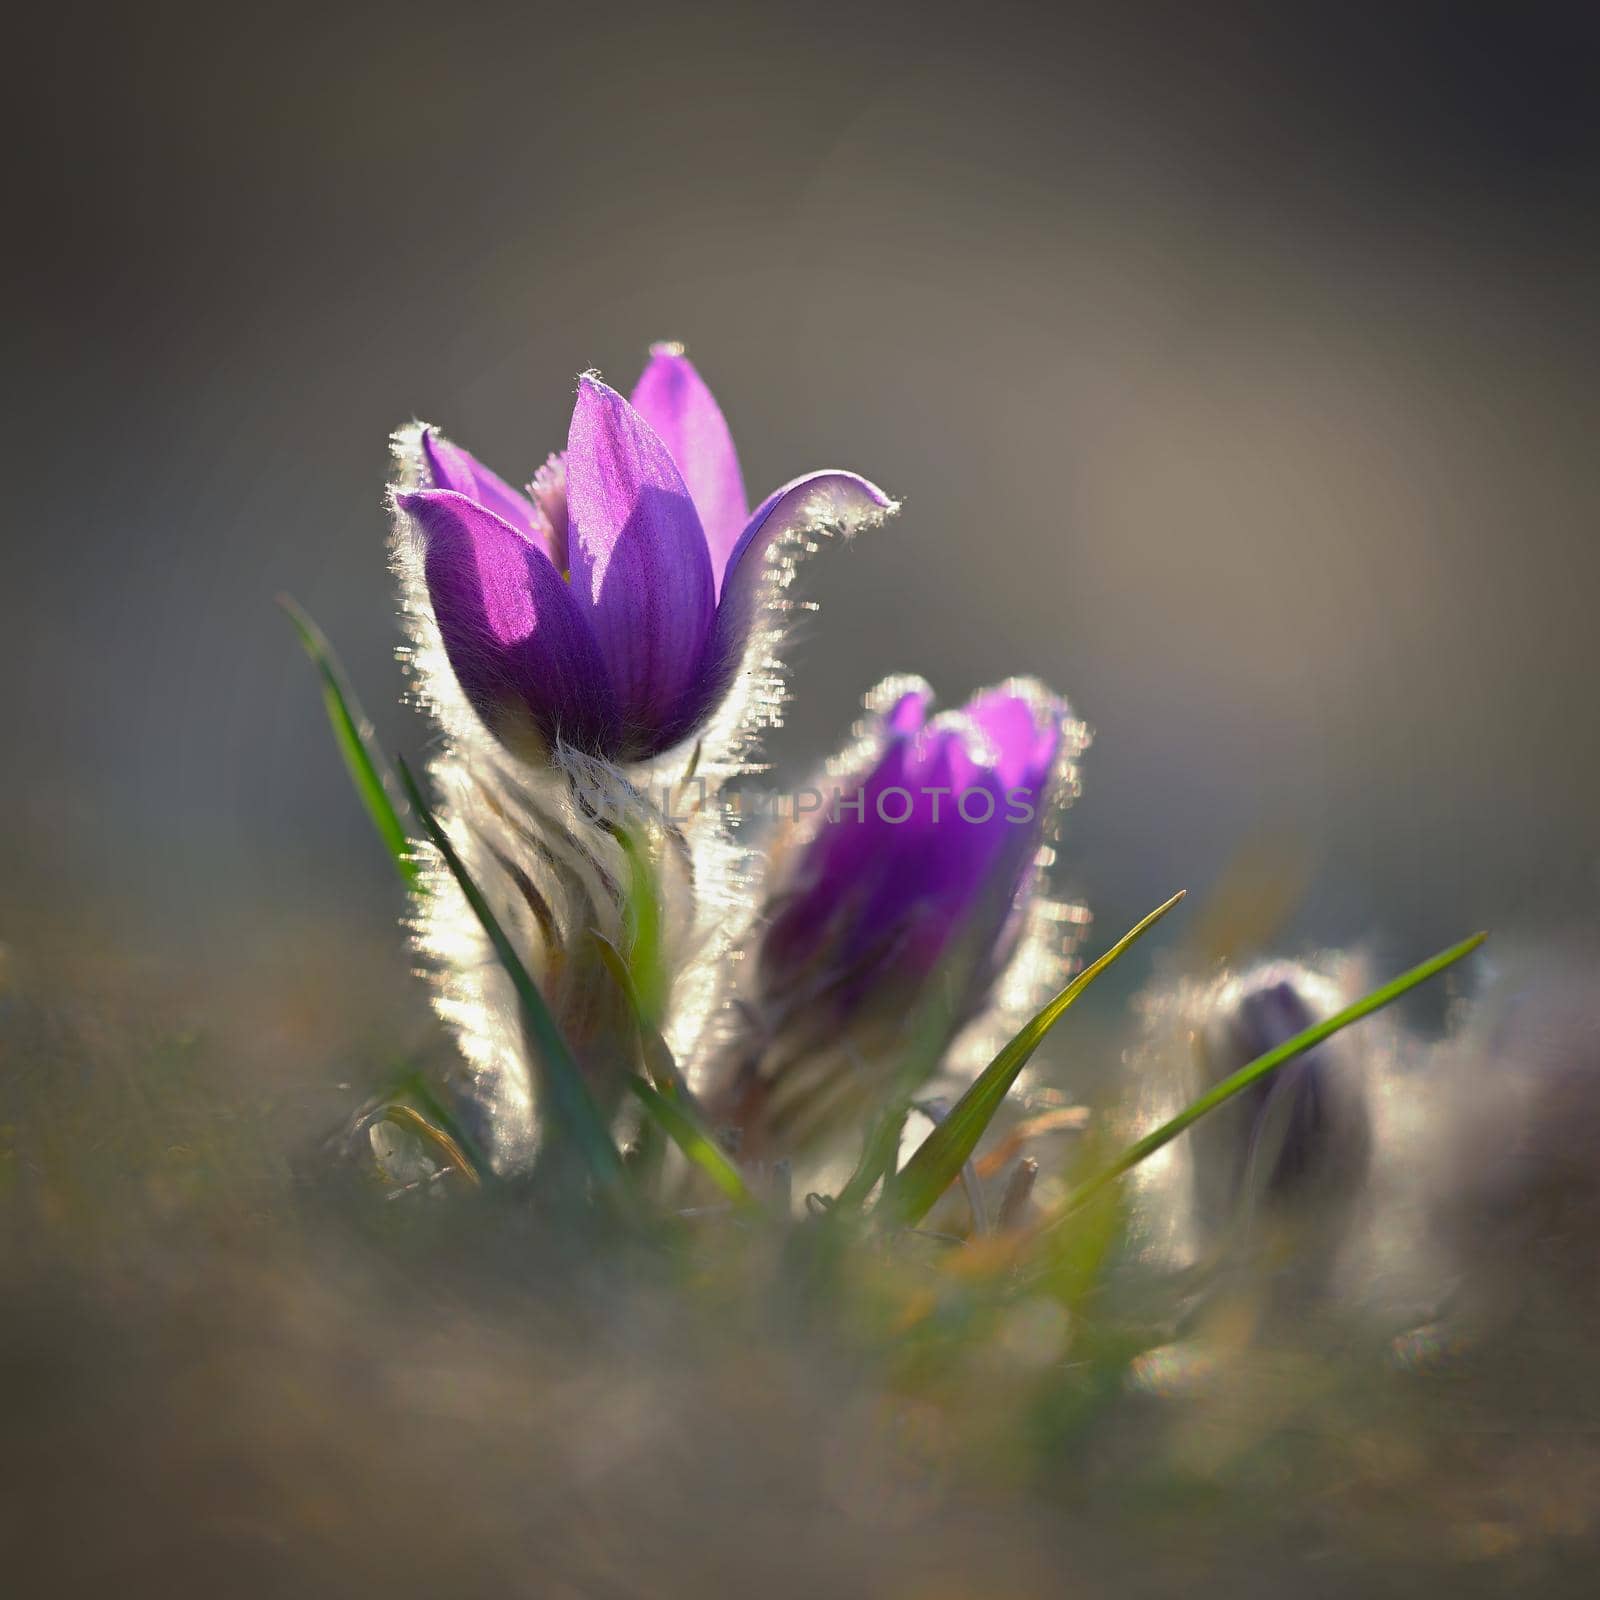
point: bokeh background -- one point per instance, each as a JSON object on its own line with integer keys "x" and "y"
{"x": 1235, "y": 364}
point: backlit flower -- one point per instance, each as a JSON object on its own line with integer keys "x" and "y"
{"x": 899, "y": 899}
{"x": 609, "y": 606}
{"x": 1299, "y": 1136}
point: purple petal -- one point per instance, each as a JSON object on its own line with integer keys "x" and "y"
{"x": 819, "y": 499}
{"x": 838, "y": 875}
{"x": 673, "y": 398}
{"x": 884, "y": 900}
{"x": 451, "y": 467}
{"x": 886, "y": 888}
{"x": 909, "y": 710}
{"x": 1021, "y": 723}
{"x": 640, "y": 567}
{"x": 515, "y": 635}
{"x": 549, "y": 491}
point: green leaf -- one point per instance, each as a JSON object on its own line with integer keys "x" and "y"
{"x": 1073, "y": 1260}
{"x": 658, "y": 1061}
{"x": 930, "y": 1031}
{"x": 646, "y": 961}
{"x": 941, "y": 1156}
{"x": 1257, "y": 1069}
{"x": 353, "y": 733}
{"x": 927, "y": 1036}
{"x": 690, "y": 1135}
{"x": 572, "y": 1108}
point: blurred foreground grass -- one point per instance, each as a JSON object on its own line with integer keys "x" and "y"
{"x": 236, "y": 1365}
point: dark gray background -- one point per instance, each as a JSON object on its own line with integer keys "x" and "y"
{"x": 1235, "y": 365}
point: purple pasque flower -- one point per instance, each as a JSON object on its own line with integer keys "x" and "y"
{"x": 894, "y": 902}
{"x": 609, "y": 606}
{"x": 922, "y": 854}
{"x": 1297, "y": 1135}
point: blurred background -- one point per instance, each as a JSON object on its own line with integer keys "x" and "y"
{"x": 1235, "y": 364}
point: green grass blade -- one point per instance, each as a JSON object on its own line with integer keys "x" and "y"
{"x": 353, "y": 733}
{"x": 940, "y": 1157}
{"x": 659, "y": 1064}
{"x": 646, "y": 960}
{"x": 1257, "y": 1069}
{"x": 877, "y": 1154}
{"x": 928, "y": 1036}
{"x": 572, "y": 1108}
{"x": 930, "y": 1032}
{"x": 687, "y": 1132}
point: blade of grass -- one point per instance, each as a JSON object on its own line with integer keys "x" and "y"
{"x": 877, "y": 1154}
{"x": 940, "y": 1157}
{"x": 930, "y": 1029}
{"x": 658, "y": 1061}
{"x": 404, "y": 1116}
{"x": 353, "y": 734}
{"x": 690, "y": 1135}
{"x": 412, "y": 1085}
{"x": 1073, "y": 1260}
{"x": 572, "y": 1108}
{"x": 928, "y": 1035}
{"x": 1257, "y": 1069}
{"x": 646, "y": 964}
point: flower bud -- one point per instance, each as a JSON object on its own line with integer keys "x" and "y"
{"x": 1296, "y": 1140}
{"x": 895, "y": 905}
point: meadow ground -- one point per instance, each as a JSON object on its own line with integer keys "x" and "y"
{"x": 235, "y": 1362}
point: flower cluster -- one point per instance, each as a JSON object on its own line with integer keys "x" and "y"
{"x": 599, "y": 637}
